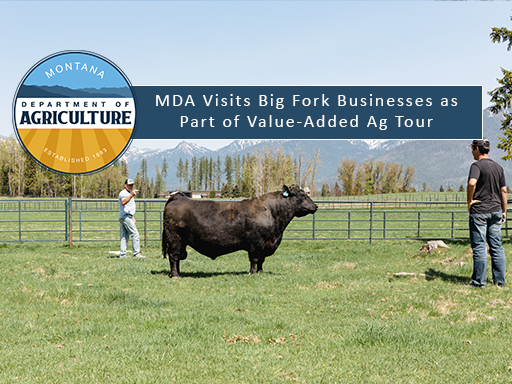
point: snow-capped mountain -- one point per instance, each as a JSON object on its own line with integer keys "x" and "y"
{"x": 377, "y": 144}
{"x": 437, "y": 162}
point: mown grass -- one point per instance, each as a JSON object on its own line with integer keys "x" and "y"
{"x": 323, "y": 312}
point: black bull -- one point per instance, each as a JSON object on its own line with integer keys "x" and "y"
{"x": 216, "y": 228}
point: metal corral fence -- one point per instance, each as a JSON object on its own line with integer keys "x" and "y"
{"x": 409, "y": 197}
{"x": 73, "y": 220}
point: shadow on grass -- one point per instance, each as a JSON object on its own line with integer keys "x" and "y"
{"x": 432, "y": 274}
{"x": 204, "y": 275}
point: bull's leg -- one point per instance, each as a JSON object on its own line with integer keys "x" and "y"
{"x": 175, "y": 267}
{"x": 256, "y": 263}
{"x": 174, "y": 248}
{"x": 261, "y": 260}
{"x": 253, "y": 267}
{"x": 178, "y": 255}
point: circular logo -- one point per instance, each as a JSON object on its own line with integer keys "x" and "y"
{"x": 74, "y": 112}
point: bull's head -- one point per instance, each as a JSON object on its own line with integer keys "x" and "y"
{"x": 301, "y": 202}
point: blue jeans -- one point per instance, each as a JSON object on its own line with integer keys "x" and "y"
{"x": 128, "y": 229}
{"x": 487, "y": 227}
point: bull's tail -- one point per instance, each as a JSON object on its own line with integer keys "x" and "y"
{"x": 165, "y": 243}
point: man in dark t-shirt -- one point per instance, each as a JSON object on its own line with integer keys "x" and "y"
{"x": 487, "y": 206}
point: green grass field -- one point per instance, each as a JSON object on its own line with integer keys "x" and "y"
{"x": 323, "y": 312}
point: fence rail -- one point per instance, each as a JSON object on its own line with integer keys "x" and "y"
{"x": 87, "y": 220}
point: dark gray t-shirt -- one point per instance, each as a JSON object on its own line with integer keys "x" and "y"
{"x": 490, "y": 179}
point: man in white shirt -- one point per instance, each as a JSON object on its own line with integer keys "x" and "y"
{"x": 126, "y": 213}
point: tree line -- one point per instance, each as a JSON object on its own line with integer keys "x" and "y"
{"x": 371, "y": 177}
{"x": 249, "y": 175}
{"x": 20, "y": 175}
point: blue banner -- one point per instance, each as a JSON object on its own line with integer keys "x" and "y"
{"x": 309, "y": 112}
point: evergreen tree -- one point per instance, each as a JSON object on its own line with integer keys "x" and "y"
{"x": 325, "y": 190}
{"x": 236, "y": 193}
{"x": 210, "y": 175}
{"x": 144, "y": 180}
{"x": 159, "y": 183}
{"x": 218, "y": 173}
{"x": 165, "y": 167}
{"x": 186, "y": 176}
{"x": 247, "y": 177}
{"x": 180, "y": 171}
{"x": 226, "y": 191}
{"x": 228, "y": 170}
{"x": 193, "y": 174}
{"x": 238, "y": 169}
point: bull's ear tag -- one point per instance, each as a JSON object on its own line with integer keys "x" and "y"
{"x": 285, "y": 193}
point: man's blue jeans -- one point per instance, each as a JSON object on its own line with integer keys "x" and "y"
{"x": 487, "y": 227}
{"x": 128, "y": 229}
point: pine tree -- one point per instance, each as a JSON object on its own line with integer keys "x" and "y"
{"x": 325, "y": 190}
{"x": 144, "y": 181}
{"x": 165, "y": 167}
{"x": 228, "y": 170}
{"x": 226, "y": 191}
{"x": 218, "y": 173}
{"x": 236, "y": 193}
{"x": 180, "y": 171}
{"x": 193, "y": 174}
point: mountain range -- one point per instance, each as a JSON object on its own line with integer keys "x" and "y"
{"x": 437, "y": 162}
{"x": 57, "y": 91}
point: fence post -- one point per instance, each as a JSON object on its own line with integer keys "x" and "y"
{"x": 70, "y": 209}
{"x": 349, "y": 225}
{"x": 19, "y": 219}
{"x": 506, "y": 226}
{"x": 419, "y": 224}
{"x": 453, "y": 224}
{"x": 371, "y": 222}
{"x": 160, "y": 214}
{"x": 145, "y": 227}
{"x": 384, "y": 224}
{"x": 314, "y": 226}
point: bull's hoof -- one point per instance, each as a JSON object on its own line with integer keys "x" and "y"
{"x": 174, "y": 277}
{"x": 260, "y": 271}
{"x": 252, "y": 272}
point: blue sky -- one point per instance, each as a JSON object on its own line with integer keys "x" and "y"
{"x": 75, "y": 71}
{"x": 261, "y": 43}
